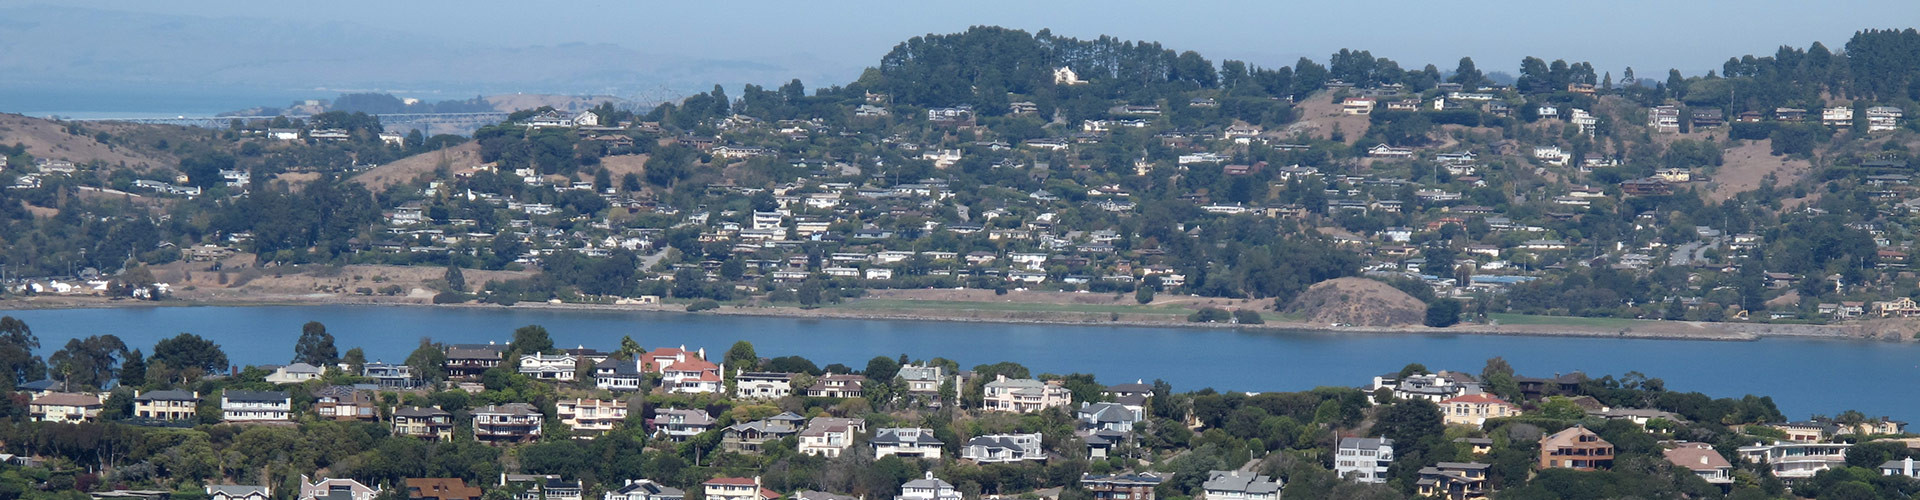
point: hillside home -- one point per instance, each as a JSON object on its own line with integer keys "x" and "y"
{"x": 1363, "y": 459}
{"x": 763, "y": 385}
{"x": 905, "y": 442}
{"x": 423, "y": 422}
{"x": 507, "y": 423}
{"x": 837, "y": 385}
{"x": 1475, "y": 409}
{"x": 1702, "y": 460}
{"x": 1024, "y": 395}
{"x": 65, "y": 407}
{"x": 250, "y": 406}
{"x": 1003, "y": 448}
{"x": 335, "y": 489}
{"x": 1240, "y": 485}
{"x": 644, "y": 489}
{"x": 1575, "y": 448}
{"x": 168, "y": 405}
{"x": 1121, "y": 486}
{"x": 1453, "y": 481}
{"x": 736, "y": 488}
{"x": 829, "y": 436}
{"x": 591, "y": 417}
{"x": 679, "y": 424}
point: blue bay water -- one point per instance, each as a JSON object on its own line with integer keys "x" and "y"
{"x": 1804, "y": 376}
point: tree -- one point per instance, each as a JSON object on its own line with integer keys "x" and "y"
{"x": 428, "y": 361}
{"x": 629, "y": 349}
{"x": 742, "y": 357}
{"x": 531, "y": 339}
{"x": 1442, "y": 313}
{"x": 133, "y": 371}
{"x": 90, "y": 362}
{"x": 456, "y": 281}
{"x": 1143, "y": 295}
{"x": 355, "y": 359}
{"x": 191, "y": 355}
{"x": 315, "y": 346}
{"x": 1467, "y": 75}
{"x": 1247, "y": 317}
{"x": 881, "y": 369}
{"x": 1410, "y": 421}
{"x": 16, "y": 353}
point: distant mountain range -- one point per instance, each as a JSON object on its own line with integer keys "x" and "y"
{"x": 67, "y": 48}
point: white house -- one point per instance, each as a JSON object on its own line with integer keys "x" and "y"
{"x": 1024, "y": 395}
{"x": 250, "y": 406}
{"x": 928, "y": 488}
{"x": 1003, "y": 448}
{"x": 1363, "y": 459}
{"x": 561, "y": 367}
{"x": 294, "y": 374}
{"x": 762, "y": 385}
{"x": 1240, "y": 485}
{"x": 906, "y": 442}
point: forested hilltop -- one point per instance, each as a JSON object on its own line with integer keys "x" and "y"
{"x": 1775, "y": 189}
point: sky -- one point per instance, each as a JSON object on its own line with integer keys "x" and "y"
{"x": 834, "y": 39}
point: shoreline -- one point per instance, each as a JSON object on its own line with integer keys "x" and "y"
{"x": 1721, "y": 332}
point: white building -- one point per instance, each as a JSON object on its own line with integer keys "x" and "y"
{"x": 1003, "y": 448}
{"x": 906, "y": 442}
{"x": 928, "y": 488}
{"x": 561, "y": 367}
{"x": 1240, "y": 485}
{"x": 250, "y": 406}
{"x": 1024, "y": 395}
{"x": 1363, "y": 459}
{"x": 762, "y": 385}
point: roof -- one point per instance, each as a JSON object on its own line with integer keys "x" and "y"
{"x": 1697, "y": 456}
{"x": 300, "y": 368}
{"x": 473, "y": 352}
{"x": 1134, "y": 387}
{"x": 44, "y": 385}
{"x": 1571, "y": 437}
{"x": 731, "y": 481}
{"x": 419, "y": 412}
{"x": 1140, "y": 478}
{"x": 1360, "y": 443}
{"x": 167, "y": 395}
{"x": 905, "y": 437}
{"x": 1475, "y": 398}
{"x": 67, "y": 399}
{"x": 1107, "y": 412}
{"x": 517, "y": 409}
{"x": 236, "y": 490}
{"x": 1240, "y": 481}
{"x": 440, "y": 487}
{"x": 649, "y": 487}
{"x": 255, "y": 396}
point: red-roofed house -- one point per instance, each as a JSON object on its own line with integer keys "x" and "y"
{"x": 657, "y": 360}
{"x": 737, "y": 488}
{"x": 691, "y": 376}
{"x": 1475, "y": 409}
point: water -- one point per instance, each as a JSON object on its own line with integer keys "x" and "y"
{"x": 1804, "y": 376}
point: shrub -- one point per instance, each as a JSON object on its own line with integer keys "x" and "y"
{"x": 1209, "y": 315}
{"x": 1247, "y": 317}
{"x": 702, "y": 305}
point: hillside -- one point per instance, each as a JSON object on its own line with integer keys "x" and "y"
{"x": 1751, "y": 162}
{"x": 1357, "y": 302}
{"x": 412, "y": 167}
{"x": 53, "y": 140}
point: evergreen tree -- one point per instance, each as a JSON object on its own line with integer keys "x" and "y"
{"x": 315, "y": 346}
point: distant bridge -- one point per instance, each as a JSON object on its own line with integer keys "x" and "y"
{"x": 410, "y": 120}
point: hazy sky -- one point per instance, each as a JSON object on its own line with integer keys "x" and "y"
{"x": 835, "y": 39}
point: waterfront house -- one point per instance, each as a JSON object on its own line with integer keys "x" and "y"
{"x": 905, "y": 442}
{"x": 617, "y": 375}
{"x": 339, "y": 402}
{"x": 1453, "y": 481}
{"x": 1796, "y": 460}
{"x": 829, "y": 436}
{"x": 1575, "y": 448}
{"x": 558, "y": 367}
{"x": 390, "y": 375}
{"x": 736, "y": 488}
{"x": 507, "y": 423}
{"x": 1702, "y": 460}
{"x": 1107, "y": 416}
{"x": 1003, "y": 448}
{"x": 928, "y": 488}
{"x": 1024, "y": 395}
{"x": 748, "y": 437}
{"x": 678, "y": 424}
{"x": 237, "y": 492}
{"x": 1363, "y": 459}
{"x": 1475, "y": 409}
{"x": 644, "y": 489}
{"x": 468, "y": 361}
{"x": 692, "y": 376}
{"x": 835, "y": 385}
{"x": 335, "y": 489}
{"x": 251, "y": 406}
{"x": 591, "y": 417}
{"x": 65, "y": 407}
{"x": 440, "y": 488}
{"x": 294, "y": 374}
{"x": 168, "y": 405}
{"x": 1121, "y": 486}
{"x": 1240, "y": 485}
{"x": 423, "y": 422}
{"x": 762, "y": 385}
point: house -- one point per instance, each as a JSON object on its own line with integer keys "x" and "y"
{"x": 542, "y": 487}
{"x": 905, "y": 442}
{"x": 283, "y": 134}
{"x": 1575, "y": 448}
{"x": 1796, "y": 460}
{"x": 1435, "y": 387}
{"x": 1121, "y": 486}
{"x": 237, "y": 492}
{"x": 1356, "y": 106}
{"x": 1385, "y": 151}
{"x": 1789, "y": 114}
{"x": 923, "y": 379}
{"x": 468, "y": 361}
{"x": 1065, "y": 76}
{"x": 1475, "y": 409}
{"x": 644, "y": 489}
{"x": 294, "y": 374}
{"x": 828, "y": 436}
{"x": 1003, "y": 448}
{"x": 1453, "y": 481}
{"x": 507, "y": 423}
{"x": 65, "y": 407}
{"x": 763, "y": 385}
{"x": 736, "y": 488}
{"x": 1903, "y": 467}
{"x": 542, "y": 366}
{"x": 591, "y": 417}
{"x": 1837, "y": 116}
{"x": 616, "y": 375}
{"x": 1708, "y": 117}
{"x": 335, "y": 489}
{"x": 1478, "y": 446}
{"x": 440, "y": 488}
{"x": 250, "y": 406}
{"x": 390, "y": 375}
{"x": 341, "y": 402}
{"x": 1240, "y": 485}
{"x": 1702, "y": 460}
{"x": 168, "y": 405}
{"x": 1883, "y": 118}
{"x": 1640, "y": 416}
{"x": 423, "y": 422}
{"x": 837, "y": 385}
{"x": 692, "y": 376}
{"x": 678, "y": 424}
{"x": 748, "y": 437}
{"x": 1363, "y": 459}
{"x": 1024, "y": 395}
{"x": 1107, "y": 416}
{"x": 1664, "y": 119}
{"x": 928, "y": 489}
